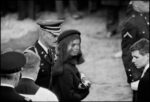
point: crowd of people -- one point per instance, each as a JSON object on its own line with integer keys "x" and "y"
{"x": 47, "y": 70}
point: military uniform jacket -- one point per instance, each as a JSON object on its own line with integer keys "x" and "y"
{"x": 136, "y": 27}
{"x": 8, "y": 94}
{"x": 44, "y": 75}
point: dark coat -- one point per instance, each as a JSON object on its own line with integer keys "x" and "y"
{"x": 110, "y": 2}
{"x": 44, "y": 75}
{"x": 135, "y": 28}
{"x": 144, "y": 88}
{"x": 65, "y": 86}
{"x": 8, "y": 94}
{"x": 27, "y": 86}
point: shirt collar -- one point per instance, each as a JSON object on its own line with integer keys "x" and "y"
{"x": 28, "y": 77}
{"x": 8, "y": 85}
{"x": 145, "y": 69}
{"x": 43, "y": 46}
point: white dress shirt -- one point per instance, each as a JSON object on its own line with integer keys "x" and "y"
{"x": 42, "y": 94}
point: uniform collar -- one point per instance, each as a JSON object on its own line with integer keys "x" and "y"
{"x": 7, "y": 85}
{"x": 43, "y": 46}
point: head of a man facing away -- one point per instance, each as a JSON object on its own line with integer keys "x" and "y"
{"x": 140, "y": 5}
{"x": 32, "y": 66}
{"x": 11, "y": 66}
{"x": 140, "y": 53}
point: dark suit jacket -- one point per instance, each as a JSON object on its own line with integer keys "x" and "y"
{"x": 8, "y": 94}
{"x": 27, "y": 86}
{"x": 135, "y": 28}
{"x": 44, "y": 75}
{"x": 144, "y": 88}
{"x": 65, "y": 85}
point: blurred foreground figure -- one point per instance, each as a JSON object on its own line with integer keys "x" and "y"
{"x": 68, "y": 83}
{"x": 27, "y": 87}
{"x": 72, "y": 8}
{"x": 26, "y": 8}
{"x": 10, "y": 73}
{"x": 113, "y": 7}
{"x": 140, "y": 58}
{"x": 45, "y": 47}
{"x": 135, "y": 27}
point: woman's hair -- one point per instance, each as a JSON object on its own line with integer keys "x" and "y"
{"x": 64, "y": 56}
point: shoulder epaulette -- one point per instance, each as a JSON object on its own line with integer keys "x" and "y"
{"x": 32, "y": 48}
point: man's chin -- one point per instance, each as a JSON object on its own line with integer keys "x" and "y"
{"x": 54, "y": 44}
{"x": 138, "y": 67}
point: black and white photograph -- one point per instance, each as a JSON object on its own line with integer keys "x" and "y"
{"x": 74, "y": 50}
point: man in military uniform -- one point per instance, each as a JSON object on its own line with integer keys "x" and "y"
{"x": 45, "y": 48}
{"x": 11, "y": 65}
{"x": 135, "y": 28}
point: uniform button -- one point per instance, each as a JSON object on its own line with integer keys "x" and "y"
{"x": 129, "y": 70}
{"x": 130, "y": 75}
{"x": 42, "y": 52}
{"x": 45, "y": 56}
{"x": 147, "y": 23}
{"x": 132, "y": 80}
{"x": 42, "y": 64}
{"x": 145, "y": 17}
{"x": 42, "y": 70}
{"x": 141, "y": 14}
{"x": 133, "y": 16}
{"x": 143, "y": 32}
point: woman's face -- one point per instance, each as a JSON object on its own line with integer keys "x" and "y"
{"x": 74, "y": 47}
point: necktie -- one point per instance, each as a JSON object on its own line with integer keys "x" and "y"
{"x": 51, "y": 53}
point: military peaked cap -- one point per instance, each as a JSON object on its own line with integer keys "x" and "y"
{"x": 52, "y": 26}
{"x": 12, "y": 62}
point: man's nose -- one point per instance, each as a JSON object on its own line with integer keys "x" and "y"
{"x": 76, "y": 47}
{"x": 55, "y": 38}
{"x": 133, "y": 60}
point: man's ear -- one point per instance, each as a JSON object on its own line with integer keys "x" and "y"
{"x": 148, "y": 55}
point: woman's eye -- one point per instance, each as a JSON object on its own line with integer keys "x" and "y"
{"x": 54, "y": 35}
{"x": 73, "y": 45}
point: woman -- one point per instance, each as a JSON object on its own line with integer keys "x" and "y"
{"x": 67, "y": 83}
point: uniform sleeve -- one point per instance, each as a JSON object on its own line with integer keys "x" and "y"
{"x": 128, "y": 38}
{"x": 68, "y": 89}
